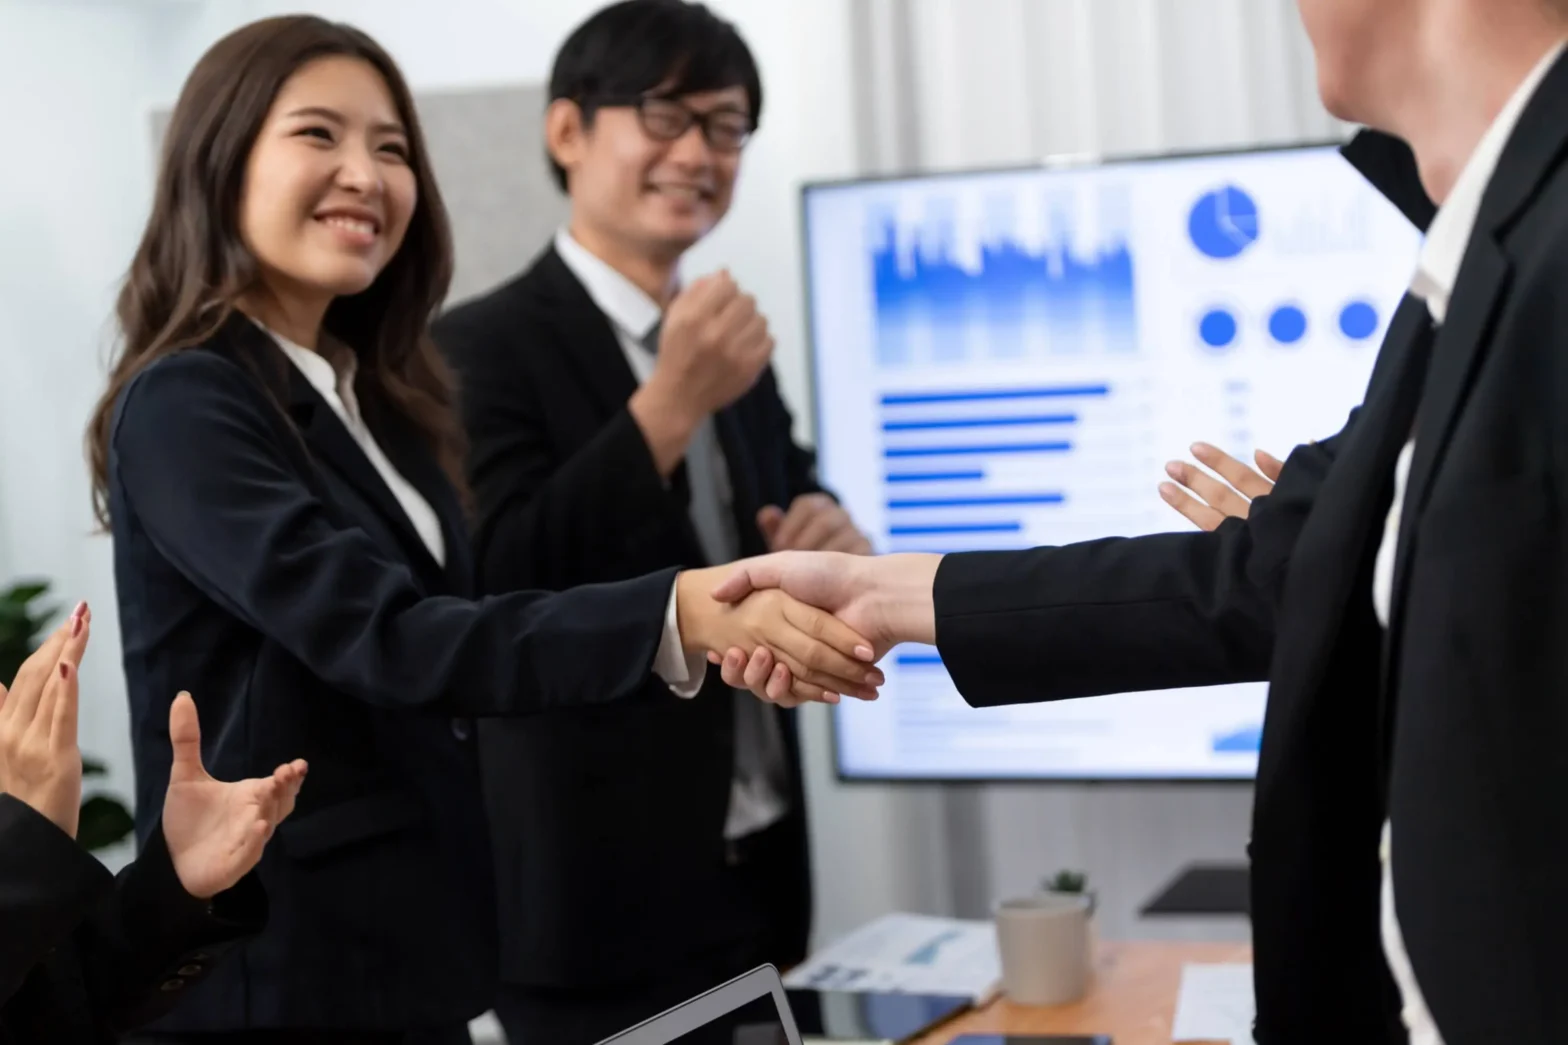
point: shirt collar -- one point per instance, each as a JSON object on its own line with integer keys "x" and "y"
{"x": 1437, "y": 269}
{"x": 633, "y": 311}
{"x": 318, "y": 370}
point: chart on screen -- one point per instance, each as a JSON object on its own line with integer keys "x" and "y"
{"x": 1007, "y": 359}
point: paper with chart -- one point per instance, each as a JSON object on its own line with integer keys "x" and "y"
{"x": 908, "y": 954}
{"x": 1215, "y": 1004}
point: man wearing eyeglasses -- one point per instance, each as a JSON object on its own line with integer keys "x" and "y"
{"x": 622, "y": 422}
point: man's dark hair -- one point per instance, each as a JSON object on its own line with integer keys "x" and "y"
{"x": 636, "y": 47}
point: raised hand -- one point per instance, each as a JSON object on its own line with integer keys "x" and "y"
{"x": 1211, "y": 501}
{"x": 814, "y": 522}
{"x": 713, "y": 345}
{"x": 824, "y": 656}
{"x": 40, "y": 763}
{"x": 216, "y": 831}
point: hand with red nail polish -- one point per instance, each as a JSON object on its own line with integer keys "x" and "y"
{"x": 40, "y": 763}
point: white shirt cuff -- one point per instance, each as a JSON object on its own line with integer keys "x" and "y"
{"x": 683, "y": 672}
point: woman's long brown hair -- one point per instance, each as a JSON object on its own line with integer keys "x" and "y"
{"x": 192, "y": 265}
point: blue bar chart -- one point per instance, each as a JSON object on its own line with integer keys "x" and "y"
{"x": 979, "y": 468}
{"x": 948, "y": 292}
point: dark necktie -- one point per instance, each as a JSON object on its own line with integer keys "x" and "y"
{"x": 760, "y": 761}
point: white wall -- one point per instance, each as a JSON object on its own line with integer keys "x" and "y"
{"x": 75, "y": 81}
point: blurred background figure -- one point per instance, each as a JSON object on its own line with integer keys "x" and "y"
{"x": 621, "y": 422}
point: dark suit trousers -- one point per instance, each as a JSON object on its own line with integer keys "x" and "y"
{"x": 587, "y": 1015}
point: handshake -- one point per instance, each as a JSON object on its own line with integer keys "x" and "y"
{"x": 800, "y": 626}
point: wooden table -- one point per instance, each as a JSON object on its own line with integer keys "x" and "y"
{"x": 1132, "y": 997}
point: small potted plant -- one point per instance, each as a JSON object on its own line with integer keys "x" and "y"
{"x": 1069, "y": 883}
{"x": 104, "y": 819}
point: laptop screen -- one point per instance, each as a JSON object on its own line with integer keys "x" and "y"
{"x": 748, "y": 1010}
{"x": 756, "y": 1022}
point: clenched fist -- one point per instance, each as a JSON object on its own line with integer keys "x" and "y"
{"x": 713, "y": 346}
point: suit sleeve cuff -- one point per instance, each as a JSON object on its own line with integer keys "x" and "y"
{"x": 39, "y": 860}
{"x": 175, "y": 929}
{"x": 683, "y": 672}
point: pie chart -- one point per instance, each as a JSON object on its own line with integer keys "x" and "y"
{"x": 1223, "y": 223}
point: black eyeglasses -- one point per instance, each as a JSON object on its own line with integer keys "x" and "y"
{"x": 665, "y": 119}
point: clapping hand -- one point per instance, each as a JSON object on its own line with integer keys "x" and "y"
{"x": 1210, "y": 501}
{"x": 815, "y": 522}
{"x": 40, "y": 763}
{"x": 216, "y": 831}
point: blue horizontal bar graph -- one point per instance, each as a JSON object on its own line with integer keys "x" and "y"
{"x": 919, "y": 660}
{"x": 976, "y": 502}
{"x": 993, "y": 394}
{"x": 982, "y": 448}
{"x": 948, "y": 528}
{"x": 935, "y": 477}
{"x": 979, "y": 422}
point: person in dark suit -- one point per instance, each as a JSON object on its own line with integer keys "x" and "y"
{"x": 1401, "y": 587}
{"x": 85, "y": 955}
{"x": 279, "y": 463}
{"x": 645, "y": 855}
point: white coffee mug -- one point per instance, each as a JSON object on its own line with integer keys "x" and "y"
{"x": 1044, "y": 941}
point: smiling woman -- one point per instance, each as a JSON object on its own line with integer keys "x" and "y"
{"x": 289, "y": 548}
{"x": 323, "y": 119}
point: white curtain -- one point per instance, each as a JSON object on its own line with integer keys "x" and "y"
{"x": 952, "y": 84}
{"x": 967, "y": 83}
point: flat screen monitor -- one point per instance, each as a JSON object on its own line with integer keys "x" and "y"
{"x": 1006, "y": 359}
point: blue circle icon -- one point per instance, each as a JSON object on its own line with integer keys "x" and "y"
{"x": 1217, "y": 328}
{"x": 1223, "y": 223}
{"x": 1358, "y": 320}
{"x": 1287, "y": 324}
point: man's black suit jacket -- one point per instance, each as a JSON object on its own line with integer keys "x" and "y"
{"x": 85, "y": 956}
{"x": 608, "y": 828}
{"x": 1455, "y": 725}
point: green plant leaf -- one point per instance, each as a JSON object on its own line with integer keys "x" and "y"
{"x": 21, "y": 623}
{"x": 104, "y": 822}
{"x": 1067, "y": 882}
{"x": 24, "y": 592}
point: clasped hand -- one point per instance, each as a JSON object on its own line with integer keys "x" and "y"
{"x": 815, "y": 616}
{"x": 882, "y": 601}
{"x": 215, "y": 831}
{"x": 817, "y": 657}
